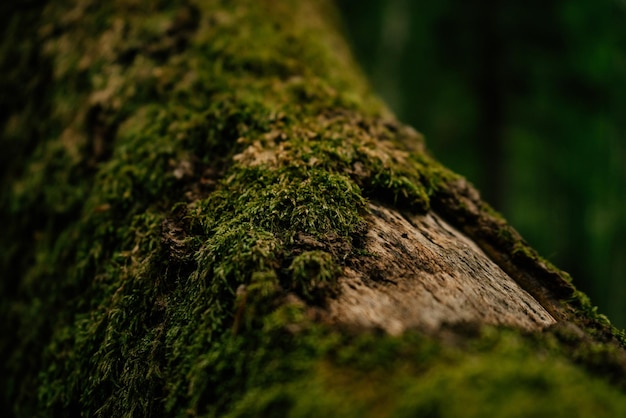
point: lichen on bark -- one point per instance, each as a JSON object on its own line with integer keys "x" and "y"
{"x": 191, "y": 181}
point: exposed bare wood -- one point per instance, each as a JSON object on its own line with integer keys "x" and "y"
{"x": 423, "y": 273}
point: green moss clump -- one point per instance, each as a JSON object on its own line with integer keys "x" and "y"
{"x": 346, "y": 375}
{"x": 314, "y": 272}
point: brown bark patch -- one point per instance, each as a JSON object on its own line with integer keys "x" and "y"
{"x": 423, "y": 273}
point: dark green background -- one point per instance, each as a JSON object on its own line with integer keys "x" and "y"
{"x": 527, "y": 99}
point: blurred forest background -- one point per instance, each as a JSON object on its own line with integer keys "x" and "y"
{"x": 527, "y": 99}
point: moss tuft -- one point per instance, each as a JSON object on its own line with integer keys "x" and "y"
{"x": 314, "y": 275}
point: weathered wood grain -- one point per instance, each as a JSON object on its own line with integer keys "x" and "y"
{"x": 423, "y": 273}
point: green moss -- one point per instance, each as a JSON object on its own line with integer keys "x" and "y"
{"x": 375, "y": 375}
{"x": 314, "y": 272}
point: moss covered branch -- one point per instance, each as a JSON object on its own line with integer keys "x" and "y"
{"x": 185, "y": 188}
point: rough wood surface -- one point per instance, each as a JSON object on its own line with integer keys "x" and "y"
{"x": 423, "y": 273}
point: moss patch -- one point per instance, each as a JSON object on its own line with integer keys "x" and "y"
{"x": 348, "y": 375}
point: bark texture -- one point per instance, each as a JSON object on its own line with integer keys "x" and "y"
{"x": 423, "y": 273}
{"x": 208, "y": 213}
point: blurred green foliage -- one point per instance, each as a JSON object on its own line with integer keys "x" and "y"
{"x": 528, "y": 101}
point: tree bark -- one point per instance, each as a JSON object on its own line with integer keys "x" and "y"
{"x": 208, "y": 213}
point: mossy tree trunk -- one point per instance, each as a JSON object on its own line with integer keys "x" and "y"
{"x": 207, "y": 213}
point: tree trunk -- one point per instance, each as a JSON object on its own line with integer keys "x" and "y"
{"x": 208, "y": 213}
